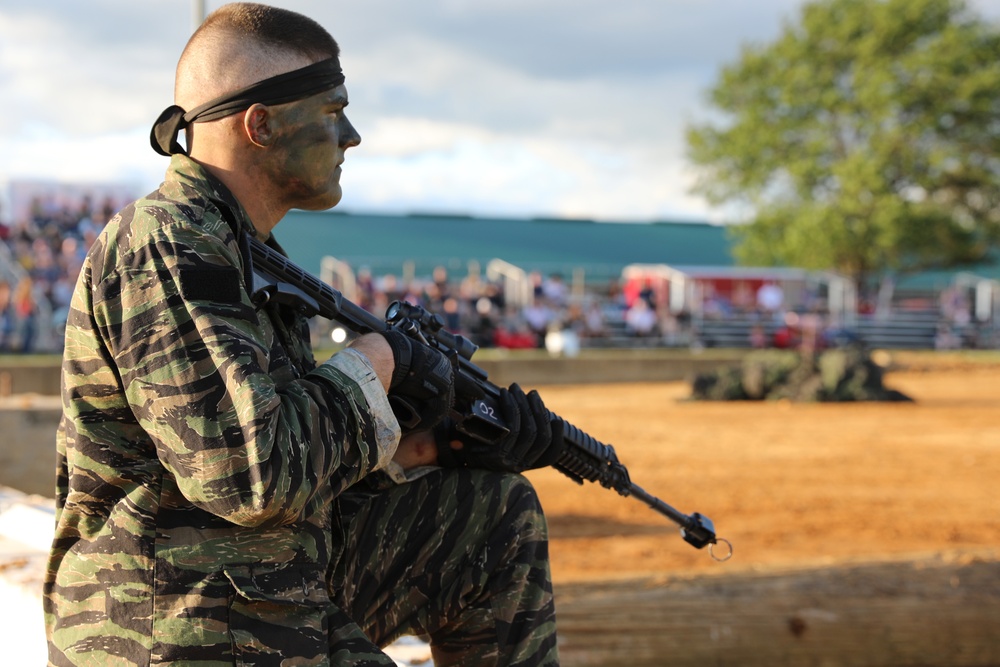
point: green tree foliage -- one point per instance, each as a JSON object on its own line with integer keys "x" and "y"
{"x": 865, "y": 139}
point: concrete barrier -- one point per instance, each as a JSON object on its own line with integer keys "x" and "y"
{"x": 28, "y": 445}
{"x": 19, "y": 376}
{"x": 30, "y": 406}
{"x": 532, "y": 367}
{"x": 602, "y": 366}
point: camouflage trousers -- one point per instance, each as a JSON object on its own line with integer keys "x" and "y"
{"x": 458, "y": 557}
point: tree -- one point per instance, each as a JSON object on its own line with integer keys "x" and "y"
{"x": 865, "y": 139}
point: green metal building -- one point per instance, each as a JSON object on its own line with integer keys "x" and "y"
{"x": 385, "y": 243}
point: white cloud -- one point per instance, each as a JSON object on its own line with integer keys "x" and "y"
{"x": 42, "y": 153}
{"x": 530, "y": 177}
{"x": 60, "y": 72}
{"x": 400, "y": 137}
{"x": 550, "y": 107}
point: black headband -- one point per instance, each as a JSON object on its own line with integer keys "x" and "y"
{"x": 287, "y": 87}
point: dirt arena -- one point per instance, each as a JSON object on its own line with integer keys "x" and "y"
{"x": 787, "y": 484}
{"x": 807, "y": 488}
{"x": 864, "y": 535}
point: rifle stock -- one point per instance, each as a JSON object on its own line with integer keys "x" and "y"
{"x": 276, "y": 278}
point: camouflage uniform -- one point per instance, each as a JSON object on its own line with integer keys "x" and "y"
{"x": 217, "y": 500}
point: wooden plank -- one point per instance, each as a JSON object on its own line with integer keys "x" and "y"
{"x": 923, "y": 612}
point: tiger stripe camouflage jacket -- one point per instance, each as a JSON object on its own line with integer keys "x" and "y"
{"x": 201, "y": 448}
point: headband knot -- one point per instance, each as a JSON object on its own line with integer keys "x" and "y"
{"x": 280, "y": 89}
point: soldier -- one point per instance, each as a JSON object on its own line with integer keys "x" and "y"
{"x": 221, "y": 498}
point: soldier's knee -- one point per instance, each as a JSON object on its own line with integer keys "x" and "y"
{"x": 509, "y": 501}
{"x": 523, "y": 491}
{"x": 523, "y": 506}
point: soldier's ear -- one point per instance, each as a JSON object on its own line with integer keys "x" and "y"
{"x": 258, "y": 125}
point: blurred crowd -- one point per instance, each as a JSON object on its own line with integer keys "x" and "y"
{"x": 552, "y": 314}
{"x": 483, "y": 312}
{"x": 40, "y": 259}
{"x": 41, "y": 256}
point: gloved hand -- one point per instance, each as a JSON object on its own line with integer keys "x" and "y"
{"x": 533, "y": 441}
{"x": 422, "y": 388}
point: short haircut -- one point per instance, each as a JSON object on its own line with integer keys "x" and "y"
{"x": 272, "y": 26}
{"x": 243, "y": 43}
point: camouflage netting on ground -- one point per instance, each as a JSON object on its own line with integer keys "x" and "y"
{"x": 834, "y": 375}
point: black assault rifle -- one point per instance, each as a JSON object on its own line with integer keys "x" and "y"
{"x": 275, "y": 278}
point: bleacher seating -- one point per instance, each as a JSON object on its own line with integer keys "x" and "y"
{"x": 902, "y": 329}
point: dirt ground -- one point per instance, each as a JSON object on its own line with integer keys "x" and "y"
{"x": 790, "y": 485}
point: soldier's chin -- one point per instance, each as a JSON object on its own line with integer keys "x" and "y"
{"x": 328, "y": 199}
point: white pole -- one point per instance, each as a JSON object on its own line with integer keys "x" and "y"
{"x": 197, "y": 13}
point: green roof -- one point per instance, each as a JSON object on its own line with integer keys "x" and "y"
{"x": 601, "y": 249}
{"x": 384, "y": 243}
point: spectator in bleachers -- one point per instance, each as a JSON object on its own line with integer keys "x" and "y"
{"x": 90, "y": 226}
{"x": 811, "y": 328}
{"x": 25, "y": 315}
{"x": 450, "y": 311}
{"x": 482, "y": 321}
{"x": 365, "y": 285}
{"x": 771, "y": 299}
{"x": 538, "y": 316}
{"x": 8, "y": 318}
{"x": 955, "y": 307}
{"x": 61, "y": 296}
{"x": 945, "y": 337}
{"x": 45, "y": 270}
{"x": 515, "y": 336}
{"x": 648, "y": 294}
{"x": 494, "y": 294}
{"x": 390, "y": 289}
{"x": 4, "y": 228}
{"x": 787, "y": 336}
{"x": 571, "y": 319}
{"x": 71, "y": 256}
{"x": 48, "y": 246}
{"x": 22, "y": 251}
{"x": 555, "y": 290}
{"x": 412, "y": 294}
{"x": 535, "y": 278}
{"x": 594, "y": 325}
{"x": 440, "y": 285}
{"x": 640, "y": 319}
{"x": 717, "y": 307}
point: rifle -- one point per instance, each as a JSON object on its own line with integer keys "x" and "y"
{"x": 276, "y": 278}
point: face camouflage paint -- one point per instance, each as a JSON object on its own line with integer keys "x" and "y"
{"x": 280, "y": 89}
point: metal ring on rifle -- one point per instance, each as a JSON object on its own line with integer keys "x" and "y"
{"x": 711, "y": 550}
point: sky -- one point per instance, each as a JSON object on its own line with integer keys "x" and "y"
{"x": 566, "y": 108}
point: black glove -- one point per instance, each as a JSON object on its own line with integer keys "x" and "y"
{"x": 534, "y": 441}
{"x": 422, "y": 389}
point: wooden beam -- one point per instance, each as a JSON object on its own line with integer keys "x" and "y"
{"x": 929, "y": 611}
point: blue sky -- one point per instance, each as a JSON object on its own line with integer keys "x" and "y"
{"x": 490, "y": 107}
